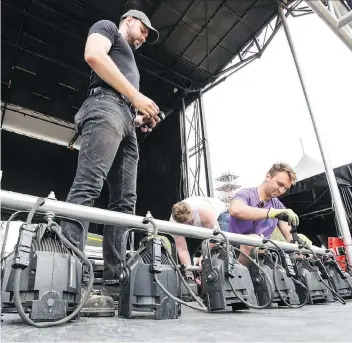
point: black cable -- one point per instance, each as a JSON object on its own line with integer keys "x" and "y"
{"x": 194, "y": 296}
{"x": 276, "y": 265}
{"x": 171, "y": 259}
{"x": 271, "y": 293}
{"x": 227, "y": 251}
{"x": 329, "y": 287}
{"x": 18, "y": 271}
{"x": 34, "y": 209}
{"x": 12, "y": 217}
{"x": 77, "y": 310}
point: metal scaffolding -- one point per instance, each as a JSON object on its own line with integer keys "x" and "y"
{"x": 199, "y": 176}
{"x": 338, "y": 17}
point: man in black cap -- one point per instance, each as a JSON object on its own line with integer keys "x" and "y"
{"x": 106, "y": 123}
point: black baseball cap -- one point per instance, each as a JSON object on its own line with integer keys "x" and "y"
{"x": 153, "y": 35}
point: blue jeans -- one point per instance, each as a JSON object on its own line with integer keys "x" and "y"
{"x": 108, "y": 152}
{"x": 224, "y": 221}
{"x": 194, "y": 244}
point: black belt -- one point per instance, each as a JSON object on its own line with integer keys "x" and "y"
{"x": 110, "y": 90}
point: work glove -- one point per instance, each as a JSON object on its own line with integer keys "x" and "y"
{"x": 284, "y": 214}
{"x": 304, "y": 240}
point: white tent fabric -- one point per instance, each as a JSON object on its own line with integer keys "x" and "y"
{"x": 307, "y": 167}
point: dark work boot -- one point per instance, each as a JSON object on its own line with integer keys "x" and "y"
{"x": 98, "y": 305}
{"x": 111, "y": 291}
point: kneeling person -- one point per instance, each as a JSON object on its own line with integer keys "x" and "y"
{"x": 198, "y": 211}
{"x": 257, "y": 211}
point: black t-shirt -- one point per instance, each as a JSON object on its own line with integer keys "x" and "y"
{"x": 120, "y": 52}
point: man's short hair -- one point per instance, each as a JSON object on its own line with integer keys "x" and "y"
{"x": 181, "y": 212}
{"x": 283, "y": 167}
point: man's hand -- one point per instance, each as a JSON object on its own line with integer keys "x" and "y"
{"x": 146, "y": 122}
{"x": 145, "y": 105}
{"x": 199, "y": 262}
{"x": 302, "y": 239}
{"x": 285, "y": 215}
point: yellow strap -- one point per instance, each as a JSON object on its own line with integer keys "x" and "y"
{"x": 95, "y": 239}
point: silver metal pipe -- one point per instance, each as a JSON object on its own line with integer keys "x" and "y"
{"x": 347, "y": 18}
{"x": 18, "y": 201}
{"x": 331, "y": 21}
{"x": 341, "y": 11}
{"x": 335, "y": 194}
{"x": 331, "y": 7}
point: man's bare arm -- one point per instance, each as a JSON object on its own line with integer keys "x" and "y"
{"x": 285, "y": 230}
{"x": 240, "y": 210}
{"x": 96, "y": 55}
{"x": 207, "y": 216}
{"x": 182, "y": 250}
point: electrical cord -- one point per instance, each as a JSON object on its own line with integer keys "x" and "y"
{"x": 334, "y": 292}
{"x": 17, "y": 280}
{"x": 271, "y": 293}
{"x": 12, "y": 217}
{"x": 301, "y": 284}
{"x": 194, "y": 296}
{"x": 171, "y": 259}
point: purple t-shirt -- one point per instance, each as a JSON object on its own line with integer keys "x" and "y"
{"x": 250, "y": 197}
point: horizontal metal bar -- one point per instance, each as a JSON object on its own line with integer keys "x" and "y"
{"x": 347, "y": 18}
{"x": 18, "y": 201}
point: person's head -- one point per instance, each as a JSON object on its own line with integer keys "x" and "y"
{"x": 278, "y": 180}
{"x": 137, "y": 29}
{"x": 182, "y": 213}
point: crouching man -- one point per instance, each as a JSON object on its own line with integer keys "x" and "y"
{"x": 197, "y": 211}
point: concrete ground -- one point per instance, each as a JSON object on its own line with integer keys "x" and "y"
{"x": 313, "y": 323}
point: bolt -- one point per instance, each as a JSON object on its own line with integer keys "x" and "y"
{"x": 27, "y": 262}
{"x": 50, "y": 302}
{"x": 17, "y": 259}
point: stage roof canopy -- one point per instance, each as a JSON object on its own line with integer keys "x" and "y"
{"x": 43, "y": 45}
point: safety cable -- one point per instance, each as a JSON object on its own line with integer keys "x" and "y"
{"x": 53, "y": 226}
{"x": 171, "y": 259}
{"x": 227, "y": 250}
{"x": 202, "y": 307}
{"x": 329, "y": 287}
{"x": 271, "y": 292}
{"x": 296, "y": 281}
{"x": 4, "y": 241}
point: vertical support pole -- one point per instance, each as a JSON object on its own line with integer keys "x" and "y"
{"x": 184, "y": 150}
{"x": 208, "y": 174}
{"x": 335, "y": 194}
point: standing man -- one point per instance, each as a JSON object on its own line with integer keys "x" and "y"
{"x": 106, "y": 122}
{"x": 257, "y": 211}
{"x": 198, "y": 211}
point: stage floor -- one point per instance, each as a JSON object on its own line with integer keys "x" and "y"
{"x": 313, "y": 323}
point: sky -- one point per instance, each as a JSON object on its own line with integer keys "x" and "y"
{"x": 259, "y": 115}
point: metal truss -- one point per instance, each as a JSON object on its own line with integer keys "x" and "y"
{"x": 196, "y": 154}
{"x": 199, "y": 174}
{"x": 5, "y": 107}
{"x": 256, "y": 47}
{"x": 337, "y": 16}
{"x": 37, "y": 115}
